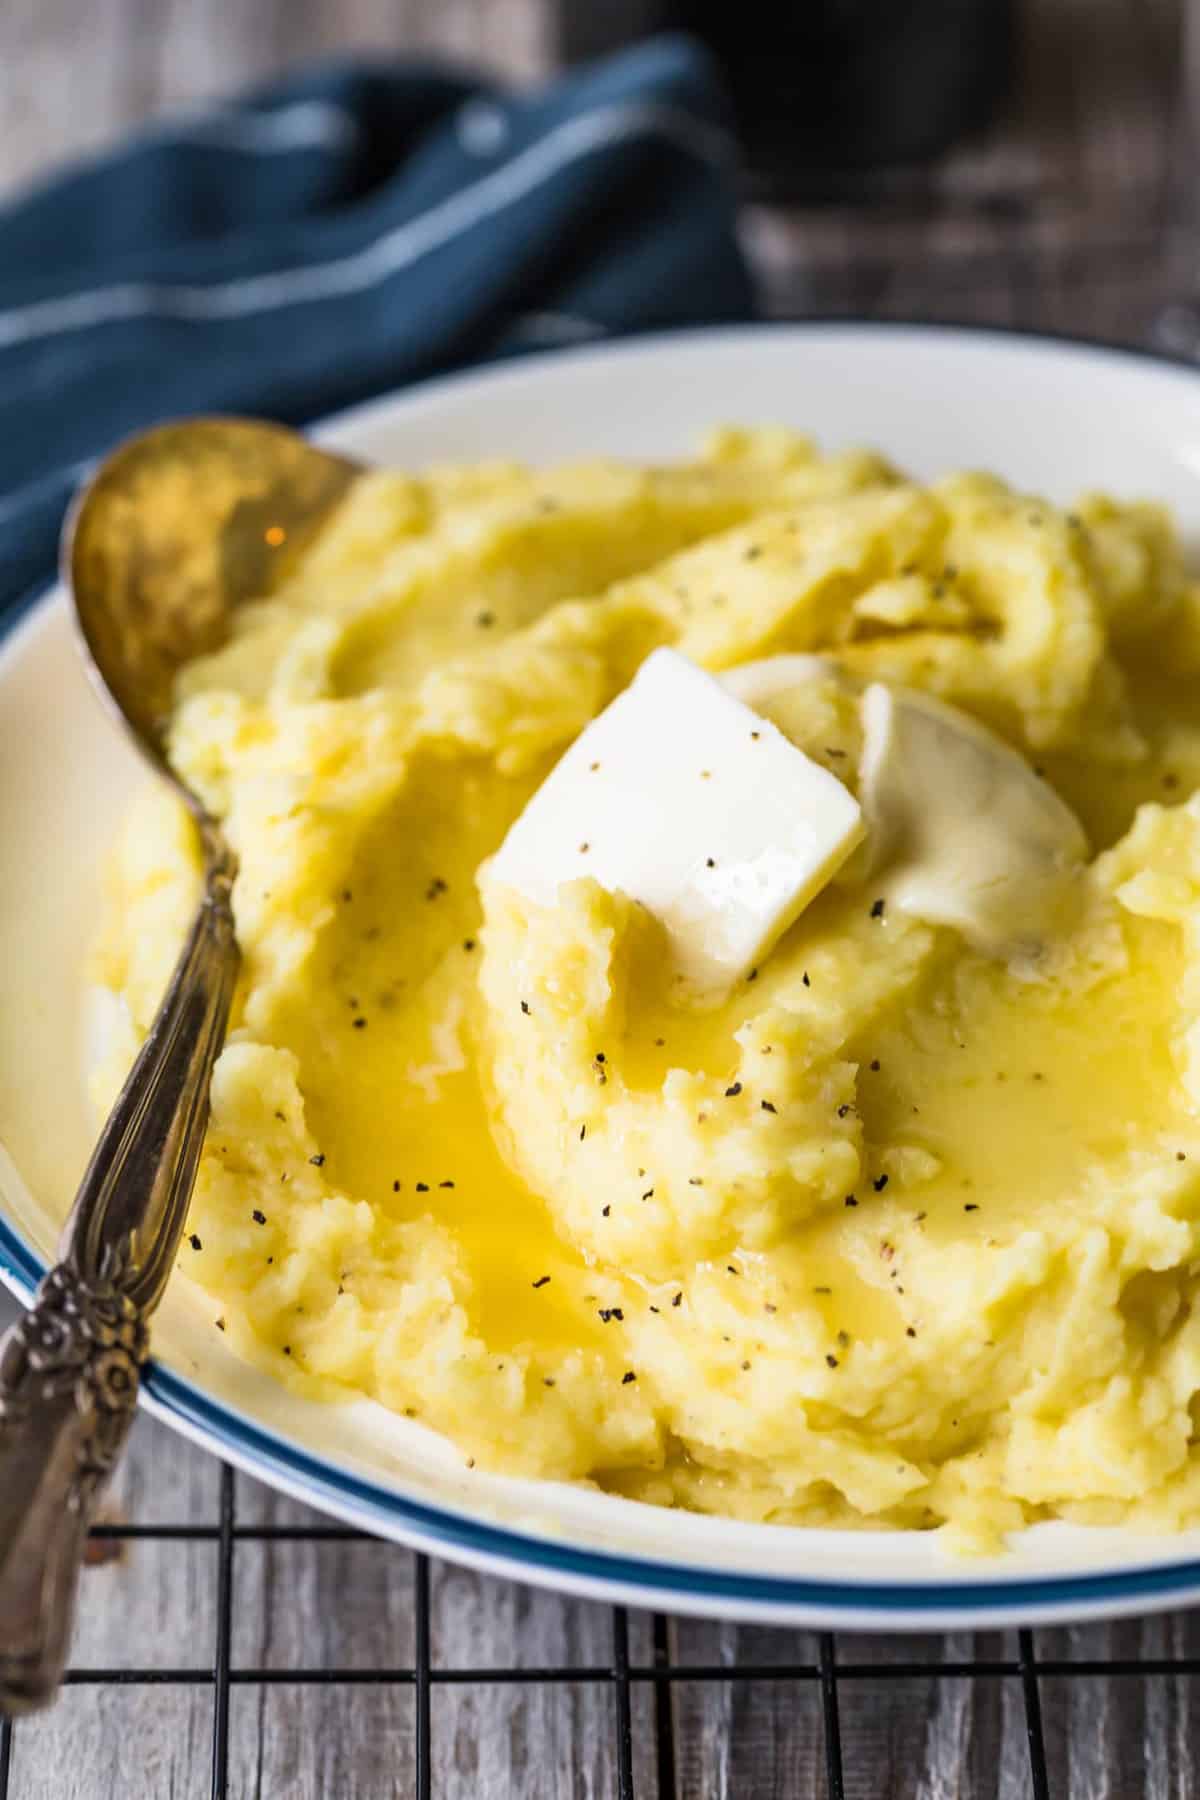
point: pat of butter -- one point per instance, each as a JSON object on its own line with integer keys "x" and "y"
{"x": 964, "y": 831}
{"x": 684, "y": 799}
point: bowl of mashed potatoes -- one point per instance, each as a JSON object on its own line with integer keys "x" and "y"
{"x": 713, "y": 1084}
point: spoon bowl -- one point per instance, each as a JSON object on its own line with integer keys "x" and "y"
{"x": 177, "y": 529}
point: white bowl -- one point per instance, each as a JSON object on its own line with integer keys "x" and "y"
{"x": 1054, "y": 416}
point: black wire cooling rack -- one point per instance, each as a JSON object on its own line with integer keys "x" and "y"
{"x": 830, "y": 1669}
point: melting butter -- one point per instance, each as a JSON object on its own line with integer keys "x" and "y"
{"x": 695, "y": 806}
{"x": 961, "y": 830}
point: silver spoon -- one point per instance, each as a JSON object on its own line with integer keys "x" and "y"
{"x": 178, "y": 528}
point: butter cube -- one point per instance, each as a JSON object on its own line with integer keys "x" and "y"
{"x": 681, "y": 797}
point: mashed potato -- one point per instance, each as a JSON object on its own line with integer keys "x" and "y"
{"x": 896, "y": 1233}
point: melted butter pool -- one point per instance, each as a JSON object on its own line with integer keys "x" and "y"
{"x": 1018, "y": 1087}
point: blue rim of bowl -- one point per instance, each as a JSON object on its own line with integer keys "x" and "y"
{"x": 448, "y": 1530}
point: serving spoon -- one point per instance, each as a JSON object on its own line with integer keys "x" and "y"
{"x": 177, "y": 529}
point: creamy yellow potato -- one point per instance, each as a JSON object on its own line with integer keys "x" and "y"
{"x": 895, "y": 1232}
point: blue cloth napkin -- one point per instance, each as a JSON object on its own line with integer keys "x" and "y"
{"x": 343, "y": 232}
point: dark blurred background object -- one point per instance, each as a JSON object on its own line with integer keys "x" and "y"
{"x": 828, "y": 91}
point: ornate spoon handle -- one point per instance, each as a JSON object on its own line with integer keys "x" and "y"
{"x": 70, "y": 1367}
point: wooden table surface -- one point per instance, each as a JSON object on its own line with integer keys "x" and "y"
{"x": 1075, "y": 212}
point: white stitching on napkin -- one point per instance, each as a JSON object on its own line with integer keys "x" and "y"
{"x": 396, "y": 250}
{"x": 481, "y": 127}
{"x": 301, "y": 125}
{"x": 304, "y": 125}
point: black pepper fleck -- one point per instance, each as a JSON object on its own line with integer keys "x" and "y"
{"x": 194, "y": 1241}
{"x": 260, "y": 1218}
{"x": 733, "y": 1090}
{"x": 525, "y": 1007}
{"x": 768, "y": 1106}
{"x": 540, "y": 1282}
{"x": 422, "y": 1187}
{"x": 831, "y": 1359}
{"x": 627, "y": 1377}
{"x": 877, "y": 909}
{"x": 879, "y": 1183}
{"x": 317, "y": 1161}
